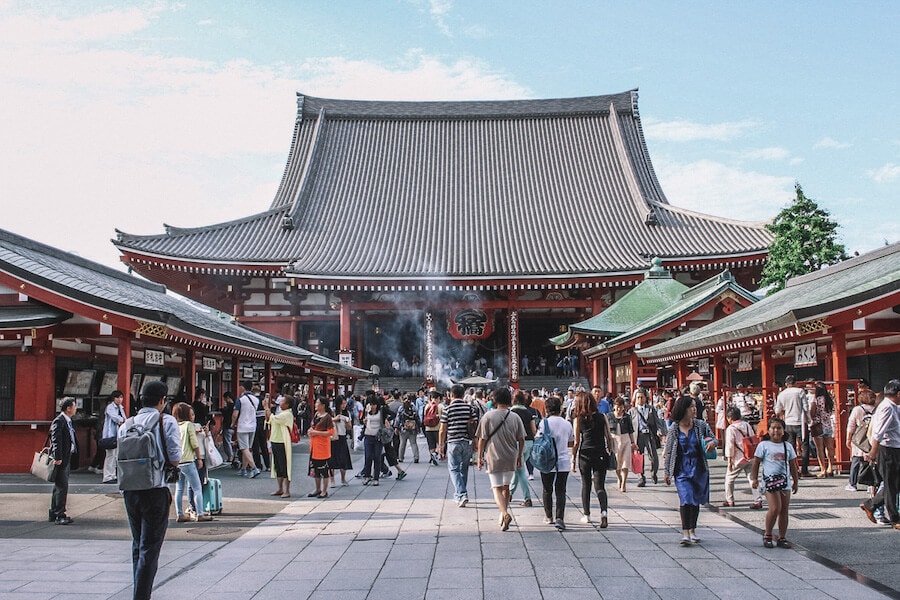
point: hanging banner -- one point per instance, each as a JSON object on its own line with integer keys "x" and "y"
{"x": 429, "y": 346}
{"x": 745, "y": 361}
{"x": 513, "y": 346}
{"x": 471, "y": 324}
{"x": 805, "y": 355}
{"x": 209, "y": 364}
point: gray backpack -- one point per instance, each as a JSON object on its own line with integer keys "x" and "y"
{"x": 140, "y": 465}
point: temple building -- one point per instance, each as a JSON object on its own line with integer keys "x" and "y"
{"x": 438, "y": 238}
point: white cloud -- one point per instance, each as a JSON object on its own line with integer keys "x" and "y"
{"x": 829, "y": 143}
{"x": 887, "y": 173}
{"x": 773, "y": 153}
{"x": 114, "y": 138}
{"x": 439, "y": 10}
{"x": 688, "y": 131}
{"x": 714, "y": 188}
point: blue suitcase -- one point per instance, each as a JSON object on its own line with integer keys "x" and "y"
{"x": 212, "y": 497}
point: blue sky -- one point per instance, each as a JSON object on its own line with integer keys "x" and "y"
{"x": 130, "y": 115}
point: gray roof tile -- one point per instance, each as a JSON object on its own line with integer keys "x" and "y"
{"x": 530, "y": 188}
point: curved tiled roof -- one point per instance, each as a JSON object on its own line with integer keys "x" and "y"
{"x": 464, "y": 189}
{"x": 808, "y": 297}
{"x": 99, "y": 286}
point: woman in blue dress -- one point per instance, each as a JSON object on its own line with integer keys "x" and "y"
{"x": 687, "y": 442}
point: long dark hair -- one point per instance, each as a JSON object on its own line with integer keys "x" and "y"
{"x": 823, "y": 392}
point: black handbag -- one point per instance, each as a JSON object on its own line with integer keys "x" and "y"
{"x": 107, "y": 443}
{"x": 867, "y": 474}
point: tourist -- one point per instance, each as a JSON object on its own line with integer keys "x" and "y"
{"x": 886, "y": 448}
{"x": 431, "y": 420}
{"x": 113, "y": 417}
{"x": 280, "y": 425}
{"x": 63, "y": 450}
{"x": 189, "y": 465}
{"x": 501, "y": 441}
{"x": 520, "y": 480}
{"x": 778, "y": 460}
{"x": 227, "y": 412}
{"x": 260, "y": 447}
{"x": 645, "y": 423}
{"x": 374, "y": 419}
{"x": 244, "y": 421}
{"x": 821, "y": 412}
{"x": 593, "y": 446}
{"x": 685, "y": 462}
{"x": 455, "y": 442}
{"x": 340, "y": 450}
{"x": 624, "y": 442}
{"x": 860, "y": 417}
{"x": 320, "y": 452}
{"x": 738, "y": 462}
{"x": 554, "y": 482}
{"x": 407, "y": 425}
{"x": 791, "y": 406}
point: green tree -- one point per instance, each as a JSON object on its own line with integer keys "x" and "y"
{"x": 805, "y": 241}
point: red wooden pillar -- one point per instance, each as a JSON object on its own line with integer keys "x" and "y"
{"x": 595, "y": 372}
{"x": 270, "y": 380}
{"x": 311, "y": 390}
{"x": 610, "y": 377}
{"x": 718, "y": 377}
{"x": 768, "y": 384}
{"x": 235, "y": 374}
{"x": 838, "y": 361}
{"x": 190, "y": 374}
{"x": 681, "y": 373}
{"x": 633, "y": 369}
{"x": 345, "y": 324}
{"x": 123, "y": 370}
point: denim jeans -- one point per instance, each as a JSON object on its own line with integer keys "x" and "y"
{"x": 521, "y": 478}
{"x": 148, "y": 515}
{"x": 373, "y": 450}
{"x": 227, "y": 448}
{"x": 459, "y": 455}
{"x": 189, "y": 476}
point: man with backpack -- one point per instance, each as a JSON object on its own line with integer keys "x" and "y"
{"x": 147, "y": 442}
{"x": 431, "y": 421}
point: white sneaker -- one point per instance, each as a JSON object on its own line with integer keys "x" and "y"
{"x": 585, "y": 519}
{"x": 850, "y": 488}
{"x": 531, "y": 478}
{"x": 548, "y": 521}
{"x": 462, "y": 502}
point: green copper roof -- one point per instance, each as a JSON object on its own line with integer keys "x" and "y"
{"x": 651, "y": 296}
{"x": 688, "y": 301}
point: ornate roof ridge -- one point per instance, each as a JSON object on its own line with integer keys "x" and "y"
{"x": 709, "y": 217}
{"x": 122, "y": 237}
{"x": 309, "y": 106}
{"x": 36, "y": 246}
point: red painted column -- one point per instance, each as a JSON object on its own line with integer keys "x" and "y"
{"x": 633, "y": 368}
{"x": 345, "y": 324}
{"x": 311, "y": 390}
{"x": 190, "y": 373}
{"x": 769, "y": 385}
{"x": 610, "y": 376}
{"x": 123, "y": 371}
{"x": 270, "y": 380}
{"x": 718, "y": 379}
{"x": 235, "y": 374}
{"x": 681, "y": 373}
{"x": 595, "y": 372}
{"x": 838, "y": 361}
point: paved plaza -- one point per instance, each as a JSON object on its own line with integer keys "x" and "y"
{"x": 407, "y": 540}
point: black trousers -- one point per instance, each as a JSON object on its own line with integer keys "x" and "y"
{"x": 593, "y": 471}
{"x": 259, "y": 447}
{"x": 148, "y": 516}
{"x": 60, "y": 490}
{"x": 889, "y": 467}
{"x": 555, "y": 482}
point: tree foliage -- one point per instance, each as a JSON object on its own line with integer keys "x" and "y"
{"x": 805, "y": 241}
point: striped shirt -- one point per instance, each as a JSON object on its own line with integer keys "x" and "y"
{"x": 457, "y": 416}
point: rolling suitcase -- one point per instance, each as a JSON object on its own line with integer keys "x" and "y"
{"x": 212, "y": 497}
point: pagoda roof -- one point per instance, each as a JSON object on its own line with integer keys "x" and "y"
{"x": 688, "y": 302}
{"x": 657, "y": 291}
{"x": 460, "y": 190}
{"x": 50, "y": 273}
{"x": 804, "y": 306}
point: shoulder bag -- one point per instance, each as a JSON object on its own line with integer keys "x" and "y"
{"x": 42, "y": 466}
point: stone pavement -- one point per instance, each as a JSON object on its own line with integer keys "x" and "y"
{"x": 406, "y": 540}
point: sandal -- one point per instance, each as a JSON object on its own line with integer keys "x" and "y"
{"x": 767, "y": 541}
{"x": 276, "y": 493}
{"x": 323, "y": 495}
{"x": 783, "y": 543}
{"x": 366, "y": 481}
